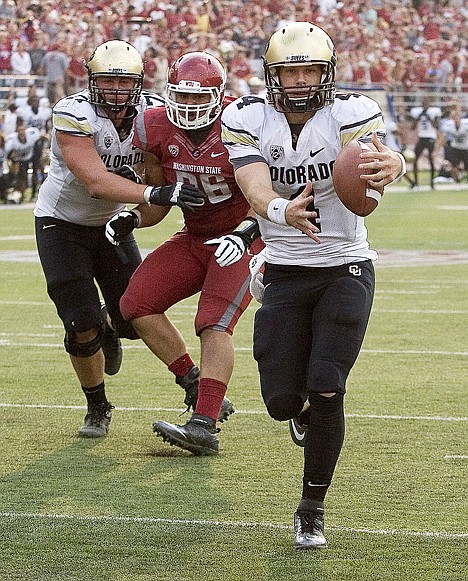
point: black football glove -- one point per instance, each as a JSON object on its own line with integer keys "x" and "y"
{"x": 120, "y": 226}
{"x": 186, "y": 196}
{"x": 129, "y": 173}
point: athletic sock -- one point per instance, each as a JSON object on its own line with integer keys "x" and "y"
{"x": 95, "y": 395}
{"x": 324, "y": 442}
{"x": 182, "y": 365}
{"x": 210, "y": 397}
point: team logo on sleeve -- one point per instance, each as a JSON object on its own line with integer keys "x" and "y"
{"x": 174, "y": 150}
{"x": 108, "y": 140}
{"x": 276, "y": 151}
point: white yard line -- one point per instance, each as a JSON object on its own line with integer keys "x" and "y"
{"x": 238, "y": 412}
{"x": 218, "y": 523}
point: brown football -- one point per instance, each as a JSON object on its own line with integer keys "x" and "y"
{"x": 350, "y": 188}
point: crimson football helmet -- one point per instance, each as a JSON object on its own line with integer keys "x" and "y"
{"x": 299, "y": 44}
{"x": 194, "y": 73}
{"x": 119, "y": 59}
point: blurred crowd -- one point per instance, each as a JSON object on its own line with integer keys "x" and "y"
{"x": 390, "y": 43}
{"x": 396, "y": 45}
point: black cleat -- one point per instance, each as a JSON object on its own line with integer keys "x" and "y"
{"x": 97, "y": 420}
{"x": 309, "y": 529}
{"x": 111, "y": 346}
{"x": 298, "y": 428}
{"x": 226, "y": 410}
{"x": 190, "y": 382}
{"x": 197, "y": 436}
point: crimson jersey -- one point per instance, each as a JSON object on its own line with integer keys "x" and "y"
{"x": 205, "y": 165}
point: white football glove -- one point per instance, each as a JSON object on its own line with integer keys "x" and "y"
{"x": 257, "y": 287}
{"x": 231, "y": 249}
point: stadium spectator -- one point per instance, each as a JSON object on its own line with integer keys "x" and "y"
{"x": 37, "y": 51}
{"x": 318, "y": 279}
{"x": 185, "y": 144}
{"x": 92, "y": 156}
{"x": 21, "y": 63}
{"x": 54, "y": 66}
{"x": 76, "y": 74}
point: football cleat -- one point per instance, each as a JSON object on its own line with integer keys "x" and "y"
{"x": 189, "y": 382}
{"x": 226, "y": 410}
{"x": 197, "y": 436}
{"x": 111, "y": 346}
{"x": 97, "y": 420}
{"x": 309, "y": 529}
{"x": 298, "y": 428}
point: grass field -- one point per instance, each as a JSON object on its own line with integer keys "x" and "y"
{"x": 129, "y": 507}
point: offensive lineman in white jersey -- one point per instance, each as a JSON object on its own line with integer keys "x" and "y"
{"x": 93, "y": 173}
{"x": 319, "y": 278}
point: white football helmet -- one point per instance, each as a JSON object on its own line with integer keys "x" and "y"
{"x": 299, "y": 44}
{"x": 195, "y": 73}
{"x": 115, "y": 58}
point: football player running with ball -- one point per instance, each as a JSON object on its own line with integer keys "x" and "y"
{"x": 182, "y": 142}
{"x": 93, "y": 172}
{"x": 318, "y": 279}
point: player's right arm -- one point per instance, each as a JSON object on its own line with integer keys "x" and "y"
{"x": 254, "y": 181}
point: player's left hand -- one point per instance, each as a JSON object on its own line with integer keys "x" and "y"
{"x": 231, "y": 249}
{"x": 129, "y": 173}
{"x": 381, "y": 166}
{"x": 120, "y": 226}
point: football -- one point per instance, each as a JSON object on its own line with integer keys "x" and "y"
{"x": 350, "y": 188}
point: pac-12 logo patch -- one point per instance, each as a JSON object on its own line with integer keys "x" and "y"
{"x": 174, "y": 150}
{"x": 276, "y": 151}
{"x": 108, "y": 140}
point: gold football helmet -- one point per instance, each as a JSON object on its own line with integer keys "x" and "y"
{"x": 299, "y": 44}
{"x": 115, "y": 58}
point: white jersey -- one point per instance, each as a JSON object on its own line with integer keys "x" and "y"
{"x": 32, "y": 119}
{"x": 254, "y": 131}
{"x": 426, "y": 119}
{"x": 457, "y": 136}
{"x": 22, "y": 150}
{"x": 62, "y": 195}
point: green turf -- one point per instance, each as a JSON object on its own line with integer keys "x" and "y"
{"x": 130, "y": 507}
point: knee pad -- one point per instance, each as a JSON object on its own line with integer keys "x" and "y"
{"x": 82, "y": 349}
{"x": 328, "y": 378}
{"x": 284, "y": 406}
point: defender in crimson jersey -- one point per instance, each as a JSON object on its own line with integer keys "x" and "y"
{"x": 182, "y": 141}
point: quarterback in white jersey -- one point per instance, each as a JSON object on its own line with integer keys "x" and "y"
{"x": 253, "y": 129}
{"x": 318, "y": 276}
{"x": 93, "y": 174}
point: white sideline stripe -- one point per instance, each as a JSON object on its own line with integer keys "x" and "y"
{"x": 245, "y": 412}
{"x": 8, "y": 343}
{"x": 217, "y": 523}
{"x": 455, "y": 457}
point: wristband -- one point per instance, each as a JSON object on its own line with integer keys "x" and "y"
{"x": 403, "y": 166}
{"x": 138, "y": 216}
{"x": 147, "y": 194}
{"x": 276, "y": 211}
{"x": 248, "y": 230}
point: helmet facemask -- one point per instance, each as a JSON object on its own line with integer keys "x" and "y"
{"x": 300, "y": 98}
{"x": 196, "y": 74}
{"x": 192, "y": 116}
